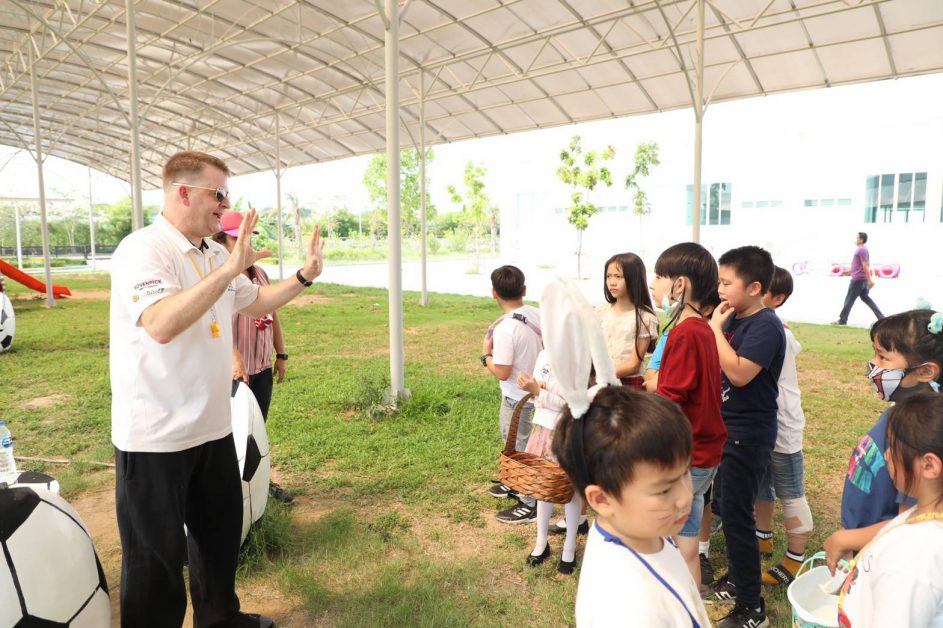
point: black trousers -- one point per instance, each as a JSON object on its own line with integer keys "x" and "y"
{"x": 156, "y": 493}
{"x": 735, "y": 490}
{"x": 261, "y": 386}
{"x": 858, "y": 289}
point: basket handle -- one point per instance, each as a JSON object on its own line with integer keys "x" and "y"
{"x": 511, "y": 441}
{"x": 809, "y": 562}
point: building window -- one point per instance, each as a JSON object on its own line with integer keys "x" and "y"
{"x": 811, "y": 202}
{"x": 715, "y": 203}
{"x": 904, "y": 193}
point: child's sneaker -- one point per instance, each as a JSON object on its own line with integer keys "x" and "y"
{"x": 742, "y": 616}
{"x": 722, "y": 592}
{"x": 500, "y": 491}
{"x": 522, "y": 513}
{"x": 707, "y": 570}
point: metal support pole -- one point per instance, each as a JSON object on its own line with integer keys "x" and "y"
{"x": 91, "y": 221}
{"x": 278, "y": 194}
{"x": 37, "y": 141}
{"x": 698, "y": 120}
{"x": 19, "y": 238}
{"x": 394, "y": 221}
{"x": 137, "y": 210}
{"x": 424, "y": 294}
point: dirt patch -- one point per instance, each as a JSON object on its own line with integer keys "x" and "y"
{"x": 309, "y": 299}
{"x": 91, "y": 295}
{"x": 40, "y": 403}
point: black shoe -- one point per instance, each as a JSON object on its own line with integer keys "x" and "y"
{"x": 743, "y": 616}
{"x": 521, "y": 513}
{"x": 722, "y": 592}
{"x": 560, "y": 527}
{"x": 533, "y": 561}
{"x": 280, "y": 494}
{"x": 707, "y": 570}
{"x": 566, "y": 567}
{"x": 500, "y": 491}
{"x": 248, "y": 620}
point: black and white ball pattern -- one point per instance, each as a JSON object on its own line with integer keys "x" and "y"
{"x": 50, "y": 575}
{"x": 248, "y": 430}
{"x": 7, "y": 322}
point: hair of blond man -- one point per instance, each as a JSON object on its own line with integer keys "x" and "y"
{"x": 188, "y": 163}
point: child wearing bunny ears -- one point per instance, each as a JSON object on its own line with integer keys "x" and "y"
{"x": 628, "y": 454}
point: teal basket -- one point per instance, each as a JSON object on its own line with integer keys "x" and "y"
{"x": 811, "y": 606}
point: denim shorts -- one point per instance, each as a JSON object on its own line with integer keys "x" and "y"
{"x": 784, "y": 478}
{"x": 701, "y": 481}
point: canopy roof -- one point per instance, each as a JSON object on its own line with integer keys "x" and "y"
{"x": 215, "y": 74}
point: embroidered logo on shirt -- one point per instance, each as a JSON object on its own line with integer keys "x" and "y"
{"x": 866, "y": 461}
{"x": 147, "y": 284}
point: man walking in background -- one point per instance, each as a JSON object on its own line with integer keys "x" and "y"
{"x": 861, "y": 282}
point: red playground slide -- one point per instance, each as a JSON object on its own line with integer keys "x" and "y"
{"x": 31, "y": 282}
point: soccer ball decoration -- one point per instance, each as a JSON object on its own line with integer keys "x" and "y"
{"x": 51, "y": 575}
{"x": 34, "y": 479}
{"x": 7, "y": 323}
{"x": 248, "y": 430}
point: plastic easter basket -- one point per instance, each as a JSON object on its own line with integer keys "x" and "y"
{"x": 811, "y": 606}
{"x": 529, "y": 474}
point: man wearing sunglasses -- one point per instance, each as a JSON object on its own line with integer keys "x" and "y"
{"x": 173, "y": 294}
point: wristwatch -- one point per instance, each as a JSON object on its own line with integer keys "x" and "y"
{"x": 281, "y": 356}
{"x": 484, "y": 359}
{"x": 301, "y": 278}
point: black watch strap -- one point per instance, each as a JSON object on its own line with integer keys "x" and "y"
{"x": 304, "y": 282}
{"x": 281, "y": 356}
{"x": 484, "y": 359}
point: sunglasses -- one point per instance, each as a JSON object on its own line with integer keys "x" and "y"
{"x": 221, "y": 193}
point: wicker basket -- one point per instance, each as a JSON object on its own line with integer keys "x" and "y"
{"x": 529, "y": 474}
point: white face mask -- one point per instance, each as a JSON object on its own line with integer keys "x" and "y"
{"x": 666, "y": 304}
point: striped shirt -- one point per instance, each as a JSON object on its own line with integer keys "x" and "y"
{"x": 254, "y": 338}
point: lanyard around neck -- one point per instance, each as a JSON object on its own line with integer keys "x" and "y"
{"x": 610, "y": 538}
{"x": 197, "y": 268}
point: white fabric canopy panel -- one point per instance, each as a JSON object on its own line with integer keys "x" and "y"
{"x": 213, "y": 74}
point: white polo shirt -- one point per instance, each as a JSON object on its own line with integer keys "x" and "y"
{"x": 173, "y": 396}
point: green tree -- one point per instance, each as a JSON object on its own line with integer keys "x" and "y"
{"x": 477, "y": 208}
{"x": 583, "y": 171}
{"x": 646, "y": 158}
{"x": 117, "y": 223}
{"x": 374, "y": 179}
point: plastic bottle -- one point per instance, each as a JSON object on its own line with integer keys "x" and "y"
{"x": 8, "y": 472}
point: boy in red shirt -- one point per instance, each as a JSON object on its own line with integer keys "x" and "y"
{"x": 686, "y": 275}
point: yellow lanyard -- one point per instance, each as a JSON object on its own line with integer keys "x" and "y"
{"x": 214, "y": 324}
{"x": 927, "y": 516}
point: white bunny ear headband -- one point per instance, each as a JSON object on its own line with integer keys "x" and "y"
{"x": 575, "y": 343}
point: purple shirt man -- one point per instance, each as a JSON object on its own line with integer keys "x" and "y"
{"x": 860, "y": 263}
{"x": 861, "y": 282}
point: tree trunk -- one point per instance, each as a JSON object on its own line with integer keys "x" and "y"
{"x": 494, "y": 233}
{"x": 297, "y": 217}
{"x": 579, "y": 253}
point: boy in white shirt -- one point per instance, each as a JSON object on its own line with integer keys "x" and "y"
{"x": 510, "y": 347}
{"x": 785, "y": 476}
{"x": 629, "y": 456}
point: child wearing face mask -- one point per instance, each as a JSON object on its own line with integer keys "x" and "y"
{"x": 689, "y": 373}
{"x": 908, "y": 359}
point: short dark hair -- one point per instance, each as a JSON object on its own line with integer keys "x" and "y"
{"x": 863, "y": 236}
{"x": 508, "y": 282}
{"x": 751, "y": 264}
{"x": 781, "y": 284}
{"x": 907, "y": 334}
{"x": 186, "y": 163}
{"x": 622, "y": 428}
{"x": 691, "y": 260}
{"x": 915, "y": 428}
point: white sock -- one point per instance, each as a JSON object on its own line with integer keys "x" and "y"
{"x": 572, "y": 513}
{"x": 544, "y": 510}
{"x": 704, "y": 547}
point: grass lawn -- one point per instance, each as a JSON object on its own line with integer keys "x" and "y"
{"x": 393, "y": 526}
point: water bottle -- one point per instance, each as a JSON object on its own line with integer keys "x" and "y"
{"x": 8, "y": 472}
